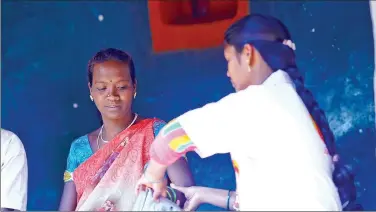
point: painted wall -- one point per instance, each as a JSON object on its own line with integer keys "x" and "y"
{"x": 46, "y": 45}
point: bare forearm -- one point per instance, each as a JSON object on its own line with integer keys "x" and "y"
{"x": 68, "y": 200}
{"x": 180, "y": 175}
{"x": 219, "y": 198}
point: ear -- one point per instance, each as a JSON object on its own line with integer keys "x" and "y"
{"x": 135, "y": 85}
{"x": 248, "y": 53}
{"x": 251, "y": 54}
{"x": 89, "y": 86}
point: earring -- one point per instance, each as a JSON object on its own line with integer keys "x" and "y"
{"x": 249, "y": 67}
{"x": 91, "y": 97}
{"x": 135, "y": 94}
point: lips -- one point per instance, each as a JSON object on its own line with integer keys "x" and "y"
{"x": 112, "y": 107}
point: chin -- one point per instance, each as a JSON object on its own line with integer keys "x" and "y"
{"x": 236, "y": 88}
{"x": 114, "y": 116}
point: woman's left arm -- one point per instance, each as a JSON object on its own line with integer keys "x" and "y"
{"x": 178, "y": 172}
{"x": 180, "y": 175}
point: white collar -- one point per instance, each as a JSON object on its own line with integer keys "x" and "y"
{"x": 278, "y": 77}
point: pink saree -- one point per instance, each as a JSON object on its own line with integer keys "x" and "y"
{"x": 106, "y": 181}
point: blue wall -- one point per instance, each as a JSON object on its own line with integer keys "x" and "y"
{"x": 46, "y": 45}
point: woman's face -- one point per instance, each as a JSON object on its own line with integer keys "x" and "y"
{"x": 237, "y": 68}
{"x": 112, "y": 89}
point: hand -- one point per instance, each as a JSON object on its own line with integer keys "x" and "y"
{"x": 154, "y": 178}
{"x": 159, "y": 187}
{"x": 193, "y": 194}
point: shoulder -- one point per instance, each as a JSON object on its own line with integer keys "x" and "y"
{"x": 80, "y": 147}
{"x": 11, "y": 142}
{"x": 79, "y": 151}
{"x": 80, "y": 141}
{"x": 158, "y": 124}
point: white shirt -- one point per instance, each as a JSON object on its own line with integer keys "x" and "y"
{"x": 282, "y": 161}
{"x": 13, "y": 172}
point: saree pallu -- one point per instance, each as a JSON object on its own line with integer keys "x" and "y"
{"x": 107, "y": 180}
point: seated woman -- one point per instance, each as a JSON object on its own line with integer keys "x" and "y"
{"x": 104, "y": 165}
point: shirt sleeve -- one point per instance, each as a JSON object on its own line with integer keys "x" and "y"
{"x": 234, "y": 123}
{"x": 72, "y": 164}
{"x": 14, "y": 176}
{"x": 158, "y": 126}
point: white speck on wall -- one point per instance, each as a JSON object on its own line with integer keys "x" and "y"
{"x": 313, "y": 30}
{"x": 373, "y": 17}
{"x": 100, "y": 17}
{"x": 75, "y": 105}
{"x": 348, "y": 116}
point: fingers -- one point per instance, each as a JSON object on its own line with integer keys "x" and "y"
{"x": 157, "y": 194}
{"x": 190, "y": 205}
{"x": 140, "y": 186}
{"x": 186, "y": 205}
{"x": 179, "y": 188}
{"x": 137, "y": 188}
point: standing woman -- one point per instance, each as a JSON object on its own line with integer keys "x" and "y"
{"x": 273, "y": 127}
{"x": 104, "y": 165}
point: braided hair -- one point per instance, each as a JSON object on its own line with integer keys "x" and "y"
{"x": 266, "y": 34}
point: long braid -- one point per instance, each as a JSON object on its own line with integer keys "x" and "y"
{"x": 311, "y": 104}
{"x": 266, "y": 34}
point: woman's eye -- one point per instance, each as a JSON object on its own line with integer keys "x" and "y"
{"x": 101, "y": 89}
{"x": 122, "y": 87}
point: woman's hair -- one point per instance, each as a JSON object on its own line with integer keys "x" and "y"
{"x": 266, "y": 34}
{"x": 110, "y": 54}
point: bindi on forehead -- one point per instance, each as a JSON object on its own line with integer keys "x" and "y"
{"x": 112, "y": 81}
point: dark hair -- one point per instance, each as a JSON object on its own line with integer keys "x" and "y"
{"x": 110, "y": 54}
{"x": 266, "y": 34}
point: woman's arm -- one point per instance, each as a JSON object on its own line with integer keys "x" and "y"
{"x": 171, "y": 144}
{"x": 178, "y": 172}
{"x": 197, "y": 195}
{"x": 68, "y": 200}
{"x": 219, "y": 197}
{"x": 180, "y": 175}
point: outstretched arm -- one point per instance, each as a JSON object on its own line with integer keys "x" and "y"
{"x": 171, "y": 144}
{"x": 197, "y": 195}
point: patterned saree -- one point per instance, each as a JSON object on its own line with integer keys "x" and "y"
{"x": 106, "y": 181}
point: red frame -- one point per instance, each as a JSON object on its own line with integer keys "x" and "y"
{"x": 169, "y": 34}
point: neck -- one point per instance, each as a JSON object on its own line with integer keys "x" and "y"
{"x": 111, "y": 128}
{"x": 260, "y": 76}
